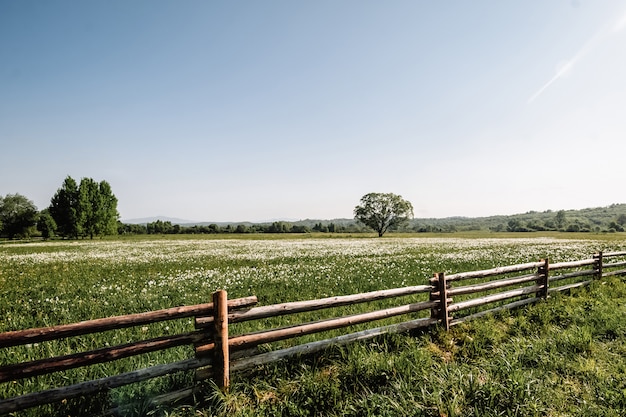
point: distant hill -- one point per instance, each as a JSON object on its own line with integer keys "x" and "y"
{"x": 610, "y": 218}
{"x": 599, "y": 219}
{"x": 147, "y": 220}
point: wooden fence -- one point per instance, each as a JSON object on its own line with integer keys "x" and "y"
{"x": 447, "y": 300}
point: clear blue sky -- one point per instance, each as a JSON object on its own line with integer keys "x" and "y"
{"x": 254, "y": 110}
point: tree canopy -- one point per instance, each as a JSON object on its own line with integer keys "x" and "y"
{"x": 383, "y": 211}
{"x": 46, "y": 224}
{"x": 18, "y": 216}
{"x": 64, "y": 209}
{"x": 88, "y": 209}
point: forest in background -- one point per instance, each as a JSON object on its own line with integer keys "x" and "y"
{"x": 88, "y": 209}
{"x": 608, "y": 219}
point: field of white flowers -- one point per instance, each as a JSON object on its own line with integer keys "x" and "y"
{"x": 50, "y": 283}
{"x": 55, "y": 282}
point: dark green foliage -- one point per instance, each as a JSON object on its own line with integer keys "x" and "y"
{"x": 605, "y": 219}
{"x": 89, "y": 209}
{"x": 160, "y": 227}
{"x": 601, "y": 219}
{"x": 86, "y": 210}
{"x": 46, "y": 224}
{"x": 131, "y": 229}
{"x": 559, "y": 219}
{"x": 18, "y": 216}
{"x": 383, "y": 211}
{"x": 64, "y": 209}
{"x": 167, "y": 228}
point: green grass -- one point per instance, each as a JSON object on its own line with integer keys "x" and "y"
{"x": 552, "y": 359}
{"x": 564, "y": 357}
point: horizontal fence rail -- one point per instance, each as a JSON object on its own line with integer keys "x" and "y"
{"x": 491, "y": 272}
{"x": 313, "y": 305}
{"x": 22, "y": 337}
{"x": 15, "y": 372}
{"x": 308, "y": 348}
{"x": 450, "y": 300}
{"x": 255, "y": 339}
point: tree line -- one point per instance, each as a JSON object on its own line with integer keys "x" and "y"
{"x": 85, "y": 209}
{"x": 608, "y": 219}
{"x": 166, "y": 227}
{"x": 89, "y": 209}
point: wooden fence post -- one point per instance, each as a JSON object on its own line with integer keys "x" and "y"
{"x": 544, "y": 278}
{"x": 441, "y": 295}
{"x": 222, "y": 372}
{"x": 598, "y": 264}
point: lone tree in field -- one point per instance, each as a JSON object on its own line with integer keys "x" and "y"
{"x": 383, "y": 211}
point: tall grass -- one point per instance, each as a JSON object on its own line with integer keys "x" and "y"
{"x": 470, "y": 368}
{"x": 564, "y": 357}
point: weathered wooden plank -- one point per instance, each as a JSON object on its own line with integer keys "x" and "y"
{"x": 572, "y": 264}
{"x": 610, "y": 254}
{"x": 494, "y": 271}
{"x": 510, "y": 306}
{"x": 576, "y": 274}
{"x": 62, "y": 363}
{"x": 313, "y": 305}
{"x": 493, "y": 298}
{"x": 268, "y": 336}
{"x": 614, "y": 265}
{"x": 205, "y": 349}
{"x": 22, "y": 402}
{"x": 570, "y": 286}
{"x": 491, "y": 285}
{"x": 209, "y": 372}
{"x": 614, "y": 273}
{"x": 21, "y": 337}
{"x": 269, "y": 357}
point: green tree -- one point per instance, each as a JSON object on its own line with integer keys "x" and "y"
{"x": 559, "y": 219}
{"x": 89, "y": 208}
{"x": 18, "y": 216}
{"x": 86, "y": 210}
{"x": 108, "y": 209}
{"x": 97, "y": 208}
{"x": 616, "y": 227}
{"x": 514, "y": 225}
{"x": 64, "y": 208}
{"x": 279, "y": 227}
{"x": 160, "y": 227}
{"x": 383, "y": 211}
{"x": 46, "y": 224}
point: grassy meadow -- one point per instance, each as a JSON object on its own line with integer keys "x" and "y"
{"x": 560, "y": 358}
